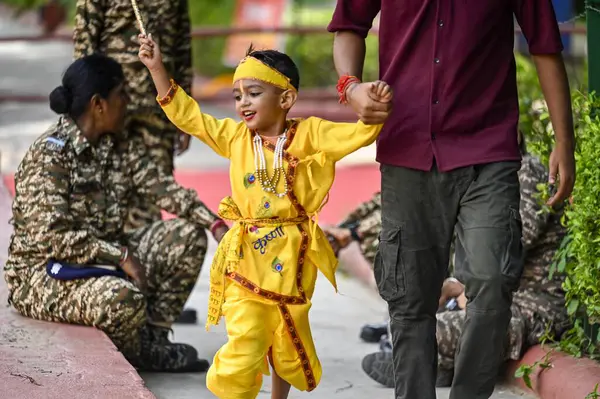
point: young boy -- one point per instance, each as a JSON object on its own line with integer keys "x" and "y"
{"x": 264, "y": 272}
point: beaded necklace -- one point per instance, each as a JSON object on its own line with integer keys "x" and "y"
{"x": 269, "y": 184}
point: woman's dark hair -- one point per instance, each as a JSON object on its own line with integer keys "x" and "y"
{"x": 279, "y": 61}
{"x": 84, "y": 78}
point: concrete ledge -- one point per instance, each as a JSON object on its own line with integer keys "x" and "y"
{"x": 568, "y": 377}
{"x": 56, "y": 361}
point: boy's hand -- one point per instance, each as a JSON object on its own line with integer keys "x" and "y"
{"x": 382, "y": 91}
{"x": 371, "y": 101}
{"x": 149, "y": 52}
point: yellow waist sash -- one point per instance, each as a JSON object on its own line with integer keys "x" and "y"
{"x": 228, "y": 254}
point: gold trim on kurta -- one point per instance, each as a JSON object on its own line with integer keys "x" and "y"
{"x": 299, "y": 346}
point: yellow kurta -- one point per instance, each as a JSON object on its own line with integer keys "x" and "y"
{"x": 273, "y": 251}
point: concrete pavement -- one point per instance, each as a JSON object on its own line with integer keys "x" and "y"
{"x": 336, "y": 320}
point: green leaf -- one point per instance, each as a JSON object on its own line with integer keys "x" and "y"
{"x": 572, "y": 306}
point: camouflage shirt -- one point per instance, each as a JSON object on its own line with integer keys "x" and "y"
{"x": 110, "y": 27}
{"x": 72, "y": 199}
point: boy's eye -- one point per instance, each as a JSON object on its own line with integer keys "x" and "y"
{"x": 237, "y": 98}
{"x": 255, "y": 94}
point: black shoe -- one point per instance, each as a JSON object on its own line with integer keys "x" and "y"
{"x": 444, "y": 378}
{"x": 380, "y": 367}
{"x": 372, "y": 333}
{"x": 160, "y": 355}
{"x": 187, "y": 316}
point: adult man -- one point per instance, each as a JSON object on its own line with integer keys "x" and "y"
{"x": 449, "y": 158}
{"x": 110, "y": 27}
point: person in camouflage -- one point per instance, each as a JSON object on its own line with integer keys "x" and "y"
{"x": 538, "y": 307}
{"x": 70, "y": 259}
{"x": 110, "y": 27}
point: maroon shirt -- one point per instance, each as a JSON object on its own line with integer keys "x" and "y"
{"x": 452, "y": 68}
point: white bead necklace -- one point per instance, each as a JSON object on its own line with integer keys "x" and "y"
{"x": 269, "y": 184}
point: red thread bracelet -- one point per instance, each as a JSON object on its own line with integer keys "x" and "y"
{"x": 342, "y": 86}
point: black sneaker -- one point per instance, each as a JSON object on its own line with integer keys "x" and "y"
{"x": 380, "y": 367}
{"x": 372, "y": 333}
{"x": 444, "y": 378}
{"x": 187, "y": 316}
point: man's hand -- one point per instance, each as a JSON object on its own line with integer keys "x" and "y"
{"x": 451, "y": 288}
{"x": 562, "y": 166}
{"x": 182, "y": 142}
{"x": 133, "y": 268}
{"x": 372, "y": 101}
{"x": 220, "y": 232}
{"x": 341, "y": 236}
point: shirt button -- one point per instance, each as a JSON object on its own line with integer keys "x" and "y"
{"x": 436, "y": 60}
{"x": 440, "y": 23}
{"x": 436, "y": 101}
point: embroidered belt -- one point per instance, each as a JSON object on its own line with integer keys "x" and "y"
{"x": 228, "y": 254}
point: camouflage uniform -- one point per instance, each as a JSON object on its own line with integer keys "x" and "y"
{"x": 110, "y": 27}
{"x": 70, "y": 206}
{"x": 539, "y": 303}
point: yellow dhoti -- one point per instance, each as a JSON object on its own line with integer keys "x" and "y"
{"x": 257, "y": 329}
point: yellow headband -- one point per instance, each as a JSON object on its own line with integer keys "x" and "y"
{"x": 251, "y": 68}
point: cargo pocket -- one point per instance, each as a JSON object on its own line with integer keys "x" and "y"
{"x": 389, "y": 273}
{"x": 512, "y": 267}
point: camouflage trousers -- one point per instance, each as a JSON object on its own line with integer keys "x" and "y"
{"x": 172, "y": 252}
{"x": 158, "y": 135}
{"x": 533, "y": 316}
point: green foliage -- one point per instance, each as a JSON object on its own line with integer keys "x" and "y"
{"x": 581, "y": 253}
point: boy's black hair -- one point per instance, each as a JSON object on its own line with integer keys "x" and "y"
{"x": 279, "y": 61}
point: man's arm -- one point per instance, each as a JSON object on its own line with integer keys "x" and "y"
{"x": 538, "y": 22}
{"x": 351, "y": 22}
{"x": 162, "y": 188}
{"x": 89, "y": 23}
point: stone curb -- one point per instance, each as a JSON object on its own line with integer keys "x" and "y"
{"x": 52, "y": 360}
{"x": 567, "y": 378}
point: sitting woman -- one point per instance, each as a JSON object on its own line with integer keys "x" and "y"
{"x": 70, "y": 260}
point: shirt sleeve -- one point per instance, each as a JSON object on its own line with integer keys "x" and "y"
{"x": 89, "y": 23}
{"x": 53, "y": 223}
{"x": 184, "y": 112}
{"x": 354, "y": 15}
{"x": 184, "y": 73}
{"x": 150, "y": 181}
{"x": 337, "y": 140}
{"x": 534, "y": 220}
{"x": 539, "y": 25}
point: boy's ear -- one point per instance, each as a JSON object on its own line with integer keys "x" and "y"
{"x": 288, "y": 99}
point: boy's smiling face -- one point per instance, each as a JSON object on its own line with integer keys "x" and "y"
{"x": 260, "y": 104}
